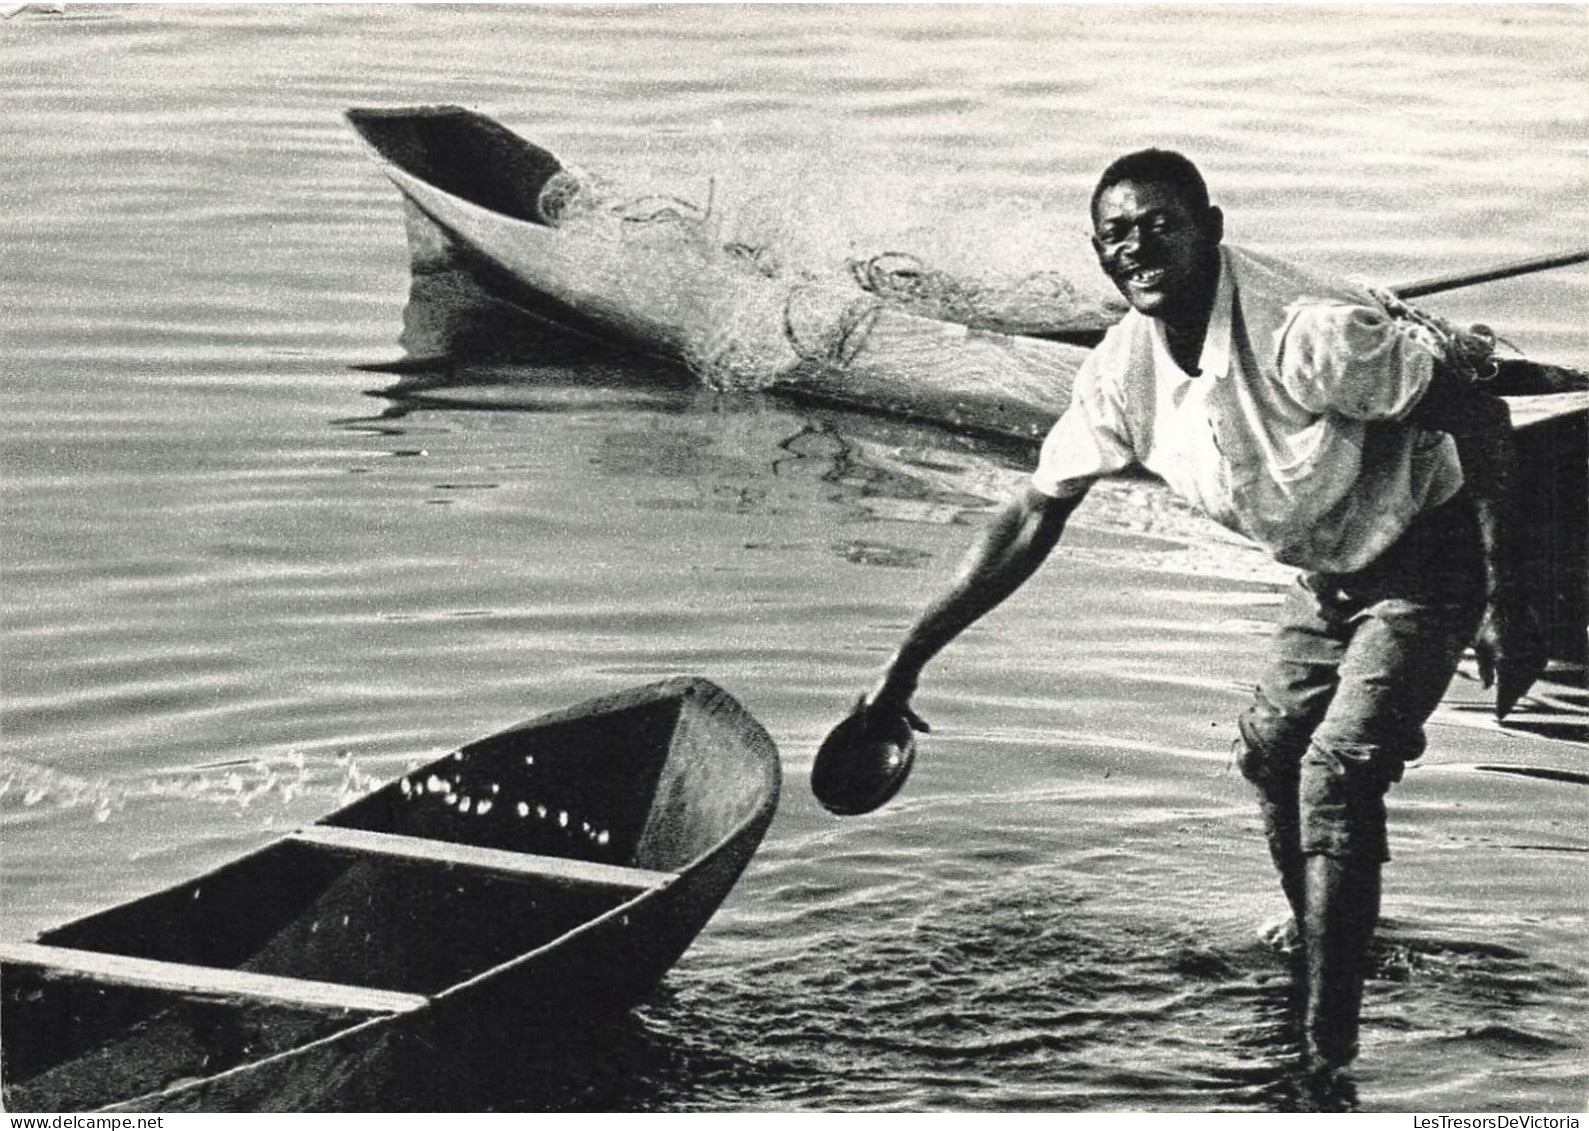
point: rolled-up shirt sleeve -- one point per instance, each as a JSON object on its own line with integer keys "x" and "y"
{"x": 1353, "y": 360}
{"x": 1091, "y": 440}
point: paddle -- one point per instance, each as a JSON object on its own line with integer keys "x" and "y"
{"x": 1440, "y": 283}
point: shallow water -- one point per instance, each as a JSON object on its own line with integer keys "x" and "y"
{"x": 240, "y": 584}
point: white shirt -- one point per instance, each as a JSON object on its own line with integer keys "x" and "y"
{"x": 1291, "y": 432}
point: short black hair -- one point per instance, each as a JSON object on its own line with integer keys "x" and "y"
{"x": 1156, "y": 167}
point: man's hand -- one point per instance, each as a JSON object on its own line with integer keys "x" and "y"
{"x": 890, "y": 700}
{"x": 1510, "y": 649}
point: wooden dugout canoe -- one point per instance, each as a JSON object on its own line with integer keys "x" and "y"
{"x": 436, "y": 931}
{"x": 648, "y": 276}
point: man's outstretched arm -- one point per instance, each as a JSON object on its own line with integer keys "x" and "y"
{"x": 1020, "y": 537}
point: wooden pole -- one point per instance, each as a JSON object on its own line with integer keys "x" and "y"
{"x": 1489, "y": 274}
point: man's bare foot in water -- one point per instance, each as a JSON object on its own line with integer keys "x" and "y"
{"x": 1281, "y": 936}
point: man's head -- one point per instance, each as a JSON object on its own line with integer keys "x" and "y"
{"x": 1156, "y": 235}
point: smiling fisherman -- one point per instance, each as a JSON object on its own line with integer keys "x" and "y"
{"x": 1294, "y": 410}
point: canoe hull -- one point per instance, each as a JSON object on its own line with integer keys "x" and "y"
{"x": 490, "y": 1041}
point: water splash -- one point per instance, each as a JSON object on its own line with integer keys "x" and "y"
{"x": 265, "y": 785}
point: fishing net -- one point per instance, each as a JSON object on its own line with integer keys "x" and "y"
{"x": 572, "y": 197}
{"x": 823, "y": 327}
{"x": 1037, "y": 302}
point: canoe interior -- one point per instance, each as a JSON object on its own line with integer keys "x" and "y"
{"x": 511, "y": 843}
{"x": 308, "y": 911}
{"x": 651, "y": 781}
{"x": 464, "y": 153}
{"x": 78, "y": 1044}
{"x": 303, "y": 911}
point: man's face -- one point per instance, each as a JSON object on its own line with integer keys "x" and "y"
{"x": 1162, "y": 256}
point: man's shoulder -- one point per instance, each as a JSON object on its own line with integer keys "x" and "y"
{"x": 1279, "y": 298}
{"x": 1261, "y": 276}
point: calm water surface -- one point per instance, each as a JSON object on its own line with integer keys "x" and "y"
{"x": 240, "y": 584}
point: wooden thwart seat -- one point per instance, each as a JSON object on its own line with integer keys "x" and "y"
{"x": 484, "y": 859}
{"x": 212, "y": 981}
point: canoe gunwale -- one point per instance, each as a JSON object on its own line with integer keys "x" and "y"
{"x": 219, "y": 982}
{"x": 470, "y": 858}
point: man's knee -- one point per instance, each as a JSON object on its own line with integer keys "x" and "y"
{"x": 1270, "y": 747}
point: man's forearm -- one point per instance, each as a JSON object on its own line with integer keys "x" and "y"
{"x": 1489, "y": 469}
{"x": 1482, "y": 430}
{"x": 1017, "y": 542}
{"x": 1508, "y": 645}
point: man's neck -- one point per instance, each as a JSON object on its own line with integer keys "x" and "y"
{"x": 1186, "y": 345}
{"x": 1185, "y": 333}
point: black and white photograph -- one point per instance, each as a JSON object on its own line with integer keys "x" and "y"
{"x": 794, "y": 558}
